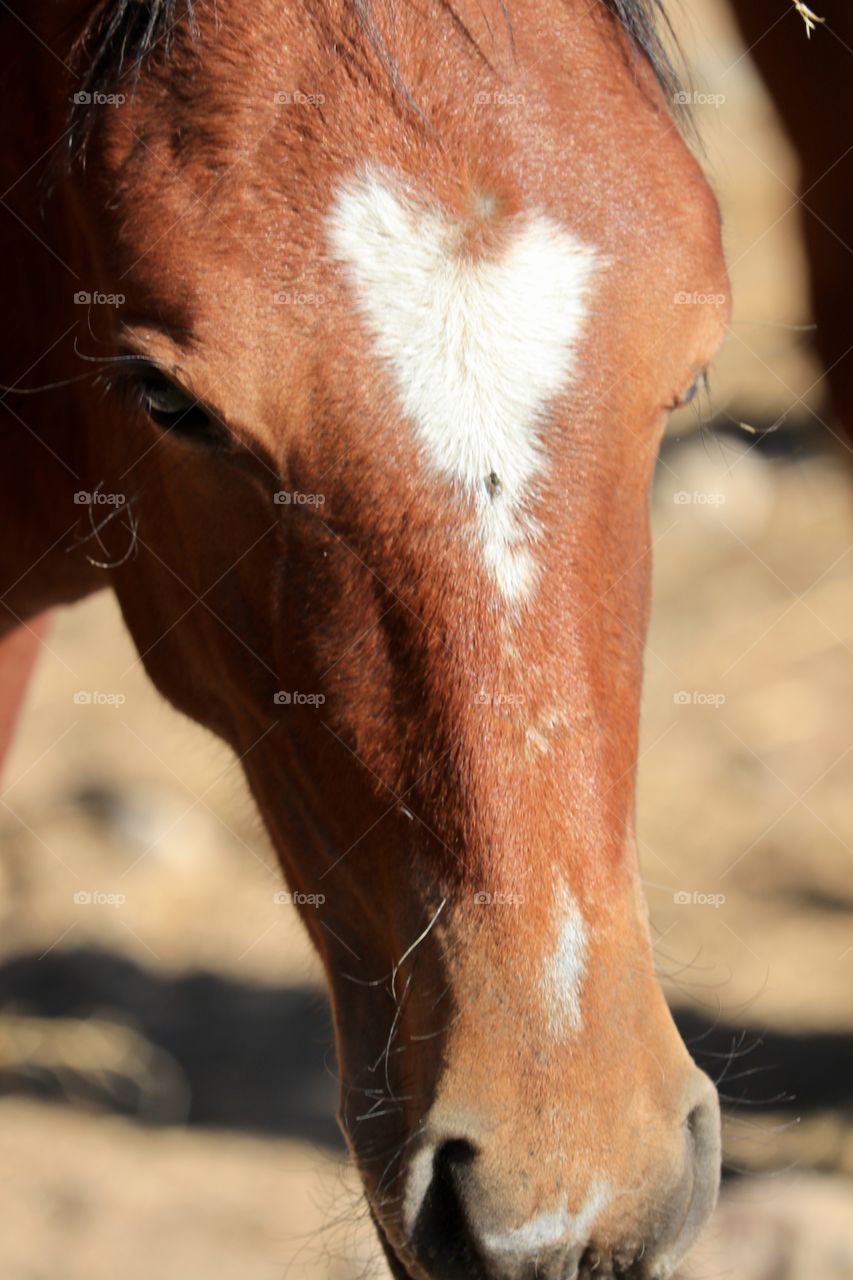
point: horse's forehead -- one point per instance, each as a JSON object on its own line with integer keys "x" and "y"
{"x": 479, "y": 341}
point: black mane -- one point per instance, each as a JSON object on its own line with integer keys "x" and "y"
{"x": 643, "y": 21}
{"x": 116, "y": 38}
{"x": 118, "y": 35}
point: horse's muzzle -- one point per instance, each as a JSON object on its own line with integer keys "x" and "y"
{"x": 464, "y": 1223}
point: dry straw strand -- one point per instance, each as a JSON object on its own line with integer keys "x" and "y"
{"x": 808, "y": 16}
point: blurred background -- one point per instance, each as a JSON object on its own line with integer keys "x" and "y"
{"x": 167, "y": 1086}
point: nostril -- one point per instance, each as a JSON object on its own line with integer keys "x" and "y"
{"x": 454, "y": 1153}
{"x": 703, "y": 1127}
{"x": 702, "y": 1175}
{"x": 449, "y": 1163}
{"x": 440, "y": 1237}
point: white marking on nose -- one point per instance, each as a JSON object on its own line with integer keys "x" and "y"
{"x": 478, "y": 347}
{"x": 566, "y": 965}
{"x": 539, "y": 735}
{"x": 554, "y": 1227}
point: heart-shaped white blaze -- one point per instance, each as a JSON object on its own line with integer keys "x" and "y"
{"x": 478, "y": 347}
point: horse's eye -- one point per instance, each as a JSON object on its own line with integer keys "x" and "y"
{"x": 175, "y": 410}
{"x": 698, "y": 384}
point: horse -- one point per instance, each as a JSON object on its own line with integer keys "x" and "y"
{"x": 340, "y": 340}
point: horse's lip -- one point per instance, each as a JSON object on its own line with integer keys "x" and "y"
{"x": 397, "y": 1268}
{"x": 400, "y": 1271}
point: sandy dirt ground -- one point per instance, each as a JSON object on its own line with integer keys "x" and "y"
{"x": 166, "y": 1083}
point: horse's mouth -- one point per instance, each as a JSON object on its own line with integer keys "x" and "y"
{"x": 397, "y": 1268}
{"x": 470, "y": 1270}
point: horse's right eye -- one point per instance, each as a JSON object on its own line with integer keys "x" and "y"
{"x": 176, "y": 410}
{"x": 699, "y": 383}
{"x": 168, "y": 404}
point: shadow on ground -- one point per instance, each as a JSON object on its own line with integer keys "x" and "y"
{"x": 259, "y": 1058}
{"x": 779, "y": 1070}
{"x": 251, "y": 1057}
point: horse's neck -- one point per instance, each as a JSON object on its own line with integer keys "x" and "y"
{"x": 42, "y": 436}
